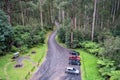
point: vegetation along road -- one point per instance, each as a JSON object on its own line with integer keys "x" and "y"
{"x": 56, "y": 61}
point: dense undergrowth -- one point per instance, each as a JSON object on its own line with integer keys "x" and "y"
{"x": 20, "y": 37}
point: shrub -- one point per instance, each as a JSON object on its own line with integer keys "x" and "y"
{"x": 68, "y": 39}
{"x": 23, "y": 49}
{"x": 27, "y": 35}
{"x": 14, "y": 48}
{"x": 75, "y": 43}
{"x": 112, "y": 49}
{"x": 91, "y": 47}
{"x": 106, "y": 67}
{"x": 115, "y": 75}
{"x": 61, "y": 35}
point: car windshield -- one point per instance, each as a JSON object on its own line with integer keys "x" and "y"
{"x": 74, "y": 69}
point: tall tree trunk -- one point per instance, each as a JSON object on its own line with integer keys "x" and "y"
{"x": 71, "y": 34}
{"x": 118, "y": 4}
{"x": 22, "y": 14}
{"x": 59, "y": 15}
{"x": 75, "y": 25}
{"x": 41, "y": 15}
{"x": 114, "y": 10}
{"x": 8, "y": 11}
{"x": 93, "y": 23}
{"x": 101, "y": 24}
{"x": 63, "y": 16}
{"x": 85, "y": 21}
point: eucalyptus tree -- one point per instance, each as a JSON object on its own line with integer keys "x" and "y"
{"x": 5, "y": 33}
{"x": 93, "y": 23}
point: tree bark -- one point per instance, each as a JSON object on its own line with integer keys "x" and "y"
{"x": 63, "y": 16}
{"x": 22, "y": 14}
{"x": 59, "y": 15}
{"x": 114, "y": 10}
{"x": 41, "y": 15}
{"x": 8, "y": 10}
{"x": 93, "y": 23}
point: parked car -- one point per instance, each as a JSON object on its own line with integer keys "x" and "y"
{"x": 74, "y": 62}
{"x": 72, "y": 70}
{"x": 74, "y": 58}
{"x": 75, "y": 53}
{"x": 16, "y": 55}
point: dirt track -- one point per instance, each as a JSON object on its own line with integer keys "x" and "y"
{"x": 55, "y": 63}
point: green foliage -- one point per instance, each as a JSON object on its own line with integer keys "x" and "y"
{"x": 103, "y": 35}
{"x": 27, "y": 35}
{"x": 5, "y": 33}
{"x": 64, "y": 35}
{"x": 112, "y": 49}
{"x": 106, "y": 67}
{"x": 116, "y": 30}
{"x": 14, "y": 49}
{"x": 61, "y": 34}
{"x": 91, "y": 47}
{"x": 23, "y": 49}
{"x": 115, "y": 75}
{"x": 68, "y": 39}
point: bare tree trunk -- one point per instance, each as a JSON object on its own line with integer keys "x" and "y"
{"x": 59, "y": 15}
{"x": 71, "y": 33}
{"x": 8, "y": 11}
{"x": 22, "y": 15}
{"x": 93, "y": 23}
{"x": 101, "y": 25}
{"x": 114, "y": 11}
{"x": 63, "y": 17}
{"x": 41, "y": 15}
{"x": 52, "y": 20}
{"x": 85, "y": 21}
{"x": 75, "y": 25}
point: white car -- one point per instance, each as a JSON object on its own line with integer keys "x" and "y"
{"x": 72, "y": 70}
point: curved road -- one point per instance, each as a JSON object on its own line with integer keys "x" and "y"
{"x": 55, "y": 63}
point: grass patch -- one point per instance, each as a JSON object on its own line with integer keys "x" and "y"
{"x": 89, "y": 66}
{"x": 20, "y": 73}
{"x": 3, "y": 61}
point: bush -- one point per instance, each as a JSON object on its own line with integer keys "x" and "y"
{"x": 112, "y": 49}
{"x": 91, "y": 47}
{"x": 115, "y": 75}
{"x": 75, "y": 43}
{"x": 14, "y": 49}
{"x": 106, "y": 67}
{"x": 67, "y": 39}
{"x": 27, "y": 35}
{"x": 23, "y": 49}
{"x": 108, "y": 70}
{"x": 61, "y": 35}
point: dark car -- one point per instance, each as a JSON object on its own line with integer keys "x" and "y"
{"x": 75, "y": 53}
{"x": 74, "y": 62}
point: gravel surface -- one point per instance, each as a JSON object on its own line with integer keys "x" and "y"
{"x": 53, "y": 68}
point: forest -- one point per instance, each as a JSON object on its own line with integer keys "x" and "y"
{"x": 90, "y": 25}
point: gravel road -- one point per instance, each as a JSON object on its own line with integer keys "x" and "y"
{"x": 53, "y": 68}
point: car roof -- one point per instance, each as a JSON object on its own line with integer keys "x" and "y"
{"x": 16, "y": 53}
{"x": 69, "y": 67}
